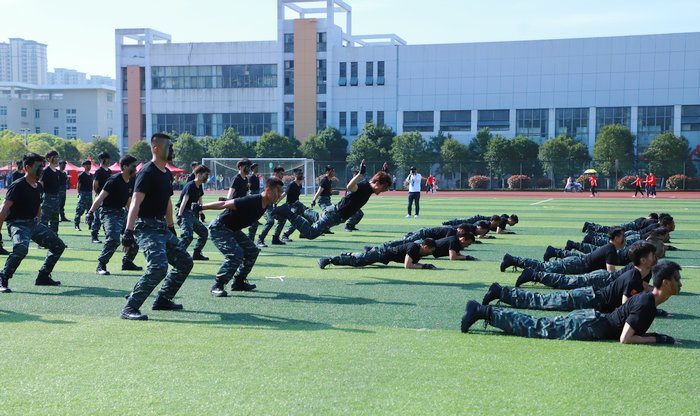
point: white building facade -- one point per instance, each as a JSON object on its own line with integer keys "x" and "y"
{"x": 317, "y": 73}
{"x": 23, "y": 61}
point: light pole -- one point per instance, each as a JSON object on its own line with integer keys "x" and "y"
{"x": 25, "y": 132}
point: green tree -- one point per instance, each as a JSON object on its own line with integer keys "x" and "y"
{"x": 336, "y": 145}
{"x": 45, "y": 137}
{"x": 410, "y": 149}
{"x": 141, "y": 150}
{"x": 479, "y": 144}
{"x": 453, "y": 153}
{"x": 381, "y": 135}
{"x": 67, "y": 151}
{"x": 314, "y": 148}
{"x": 208, "y": 144}
{"x": 563, "y": 156}
{"x": 668, "y": 155}
{"x": 12, "y": 147}
{"x": 187, "y": 149}
{"x": 523, "y": 153}
{"x": 363, "y": 148}
{"x": 39, "y": 147}
{"x": 98, "y": 146}
{"x": 274, "y": 145}
{"x": 229, "y": 144}
{"x": 614, "y": 142}
{"x": 497, "y": 154}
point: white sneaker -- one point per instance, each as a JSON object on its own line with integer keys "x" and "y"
{"x": 590, "y": 196}
{"x": 408, "y": 216}
{"x": 415, "y": 216}
{"x": 634, "y": 196}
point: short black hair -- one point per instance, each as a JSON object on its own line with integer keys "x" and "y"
{"x": 272, "y": 182}
{"x": 31, "y": 158}
{"x": 428, "y": 242}
{"x": 103, "y": 156}
{"x": 664, "y": 270}
{"x": 201, "y": 168}
{"x": 158, "y": 138}
{"x": 193, "y": 164}
{"x": 668, "y": 220}
{"x": 484, "y": 225}
{"x": 653, "y": 215}
{"x": 62, "y": 163}
{"x": 658, "y": 232}
{"x": 86, "y": 162}
{"x": 663, "y": 214}
{"x": 468, "y": 236}
{"x": 639, "y": 250}
{"x": 495, "y": 217}
{"x": 329, "y": 168}
{"x": 299, "y": 174}
{"x": 615, "y": 232}
{"x": 514, "y": 218}
{"x": 278, "y": 169}
{"x": 50, "y": 153}
{"x": 253, "y": 166}
{"x": 126, "y": 160}
{"x": 244, "y": 162}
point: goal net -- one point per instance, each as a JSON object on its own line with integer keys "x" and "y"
{"x": 226, "y": 167}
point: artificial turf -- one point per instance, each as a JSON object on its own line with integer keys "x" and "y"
{"x": 373, "y": 340}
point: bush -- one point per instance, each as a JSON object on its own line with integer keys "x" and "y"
{"x": 479, "y": 182}
{"x": 626, "y": 182}
{"x": 544, "y": 182}
{"x": 584, "y": 181}
{"x": 518, "y": 182}
{"x": 676, "y": 182}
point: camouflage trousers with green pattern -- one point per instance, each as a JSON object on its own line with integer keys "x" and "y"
{"x": 582, "y": 324}
{"x": 597, "y": 279}
{"x": 567, "y": 265}
{"x": 581, "y": 298}
{"x": 375, "y": 255}
{"x": 113, "y": 221}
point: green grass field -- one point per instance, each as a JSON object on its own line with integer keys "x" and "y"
{"x": 374, "y": 340}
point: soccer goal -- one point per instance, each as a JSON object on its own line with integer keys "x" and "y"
{"x": 226, "y": 167}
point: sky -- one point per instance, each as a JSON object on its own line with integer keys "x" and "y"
{"x": 80, "y": 33}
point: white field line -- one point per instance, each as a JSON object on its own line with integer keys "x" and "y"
{"x": 544, "y": 200}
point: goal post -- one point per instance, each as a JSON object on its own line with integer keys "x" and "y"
{"x": 227, "y": 168}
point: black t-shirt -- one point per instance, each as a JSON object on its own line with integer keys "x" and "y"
{"x": 191, "y": 177}
{"x": 639, "y": 311}
{"x": 643, "y": 222}
{"x": 17, "y": 174}
{"x": 437, "y": 233}
{"x": 239, "y": 186}
{"x": 62, "y": 179}
{"x": 84, "y": 182}
{"x": 293, "y": 192}
{"x": 398, "y": 253}
{"x": 193, "y": 191}
{"x": 101, "y": 176}
{"x": 254, "y": 183}
{"x": 504, "y": 221}
{"x": 327, "y": 186}
{"x": 353, "y": 201}
{"x": 158, "y": 187}
{"x": 628, "y": 284}
{"x": 629, "y": 266}
{"x": 644, "y": 232}
{"x": 119, "y": 191}
{"x": 444, "y": 245}
{"x": 248, "y": 210}
{"x": 602, "y": 256}
{"x": 25, "y": 200}
{"x": 50, "y": 180}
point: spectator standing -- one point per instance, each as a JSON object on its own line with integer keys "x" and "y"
{"x": 413, "y": 180}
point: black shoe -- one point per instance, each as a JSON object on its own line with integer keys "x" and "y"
{"x": 351, "y": 229}
{"x": 473, "y": 312}
{"x": 64, "y": 219}
{"x": 549, "y": 253}
{"x": 4, "y": 285}
{"x": 323, "y": 262}
{"x": 197, "y": 255}
{"x": 585, "y": 226}
{"x": 130, "y": 266}
{"x": 96, "y": 240}
{"x": 163, "y": 304}
{"x": 77, "y": 228}
{"x": 242, "y": 285}
{"x": 528, "y": 275}
{"x": 570, "y": 245}
{"x": 44, "y": 279}
{"x": 277, "y": 242}
{"x": 493, "y": 293}
{"x": 328, "y": 232}
{"x": 218, "y": 290}
{"x": 286, "y": 239}
{"x": 3, "y": 251}
{"x": 478, "y": 242}
{"x": 508, "y": 261}
{"x": 261, "y": 244}
{"x": 670, "y": 248}
{"x": 589, "y": 238}
{"x": 101, "y": 270}
{"x": 132, "y": 314}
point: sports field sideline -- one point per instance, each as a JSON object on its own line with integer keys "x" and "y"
{"x": 373, "y": 340}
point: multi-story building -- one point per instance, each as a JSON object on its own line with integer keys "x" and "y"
{"x": 64, "y": 76}
{"x": 318, "y": 73}
{"x": 23, "y": 61}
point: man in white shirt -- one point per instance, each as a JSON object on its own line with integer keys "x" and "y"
{"x": 413, "y": 181}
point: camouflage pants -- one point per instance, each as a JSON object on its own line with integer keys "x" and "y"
{"x": 62, "y": 203}
{"x": 282, "y": 221}
{"x": 113, "y": 221}
{"x": 567, "y": 265}
{"x": 238, "y": 249}
{"x": 97, "y": 223}
{"x": 582, "y": 324}
{"x": 628, "y": 226}
{"x": 471, "y": 220}
{"x": 376, "y": 255}
{"x": 581, "y": 298}
{"x": 597, "y": 279}
{"x": 602, "y": 239}
{"x": 160, "y": 247}
{"x": 419, "y": 235}
{"x": 587, "y": 248}
{"x": 269, "y": 222}
{"x": 189, "y": 225}
{"x": 323, "y": 222}
{"x": 49, "y": 212}
{"x": 325, "y": 202}
{"x": 21, "y": 231}
{"x": 84, "y": 204}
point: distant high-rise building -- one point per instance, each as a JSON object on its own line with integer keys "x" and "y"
{"x": 64, "y": 76}
{"x": 23, "y": 61}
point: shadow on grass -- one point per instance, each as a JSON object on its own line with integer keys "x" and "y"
{"x": 334, "y": 299}
{"x": 679, "y": 316}
{"x": 11, "y": 316}
{"x": 88, "y": 291}
{"x": 380, "y": 281}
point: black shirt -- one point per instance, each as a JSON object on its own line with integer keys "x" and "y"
{"x": 239, "y": 186}
{"x": 158, "y": 187}
{"x": 62, "y": 179}
{"x": 119, "y": 191}
{"x": 643, "y": 222}
{"x": 639, "y": 311}
{"x": 191, "y": 177}
{"x": 437, "y": 233}
{"x": 85, "y": 182}
{"x": 644, "y": 232}
{"x": 193, "y": 191}
{"x": 444, "y": 245}
{"x": 602, "y": 256}
{"x": 17, "y": 174}
{"x": 25, "y": 200}
{"x": 101, "y": 176}
{"x": 293, "y": 192}
{"x": 353, "y": 201}
{"x": 254, "y": 183}
{"x": 628, "y": 284}
{"x": 248, "y": 210}
{"x": 504, "y": 221}
{"x": 327, "y": 186}
{"x": 50, "y": 180}
{"x": 398, "y": 253}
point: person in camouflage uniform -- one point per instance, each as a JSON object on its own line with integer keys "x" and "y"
{"x": 62, "y": 183}
{"x": 665, "y": 221}
{"x": 101, "y": 175}
{"x": 409, "y": 254}
{"x": 151, "y": 219}
{"x": 189, "y": 222}
{"x": 278, "y": 173}
{"x": 437, "y": 233}
{"x": 294, "y": 190}
{"x": 471, "y": 220}
{"x": 323, "y": 196}
{"x": 634, "y": 225}
{"x": 84, "y": 193}
{"x": 597, "y": 279}
{"x": 50, "y": 182}
{"x": 20, "y": 210}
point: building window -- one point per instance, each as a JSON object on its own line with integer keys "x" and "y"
{"x": 343, "y": 79}
{"x": 289, "y": 42}
{"x": 321, "y": 76}
{"x": 321, "y": 41}
{"x": 353, "y": 123}
{"x": 37, "y": 113}
{"x": 652, "y": 121}
{"x": 3, "y": 110}
{"x": 109, "y": 131}
{"x": 124, "y": 79}
{"x": 109, "y": 98}
{"x": 245, "y": 124}
{"x": 320, "y": 116}
{"x": 460, "y": 120}
{"x": 690, "y": 122}
{"x": 55, "y": 113}
{"x": 497, "y": 120}
{"x": 353, "y": 74}
{"x": 289, "y": 77}
{"x": 380, "y": 118}
{"x": 380, "y": 73}
{"x": 532, "y": 124}
{"x": 71, "y": 117}
{"x": 214, "y": 76}
{"x": 142, "y": 76}
{"x": 611, "y": 115}
{"x": 289, "y": 119}
{"x": 56, "y": 131}
{"x": 37, "y": 130}
{"x": 71, "y": 132}
{"x": 368, "y": 117}
{"x": 342, "y": 122}
{"x": 23, "y": 112}
{"x": 572, "y": 122}
{"x": 369, "y": 73}
{"x": 3, "y": 127}
{"x": 418, "y": 121}
{"x": 109, "y": 114}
